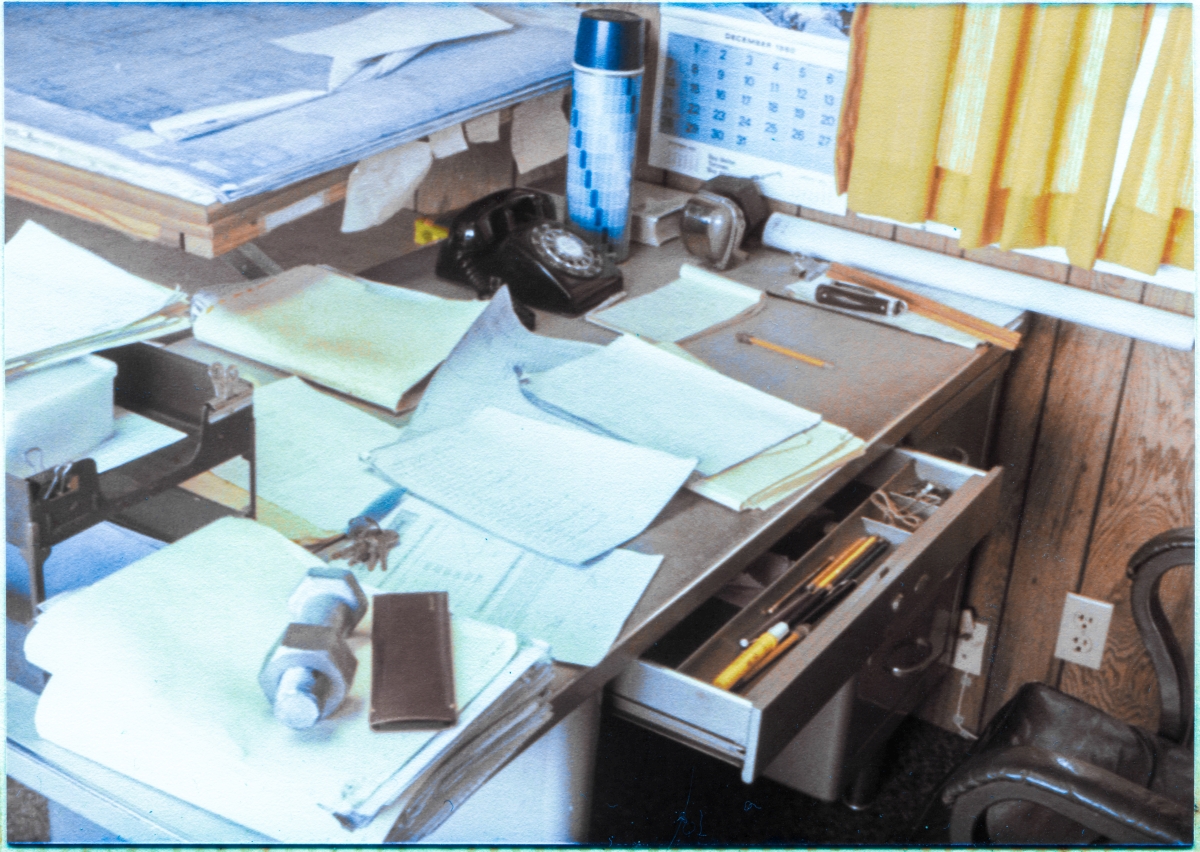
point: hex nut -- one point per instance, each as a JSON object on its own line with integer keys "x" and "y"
{"x": 311, "y": 600}
{"x": 317, "y": 647}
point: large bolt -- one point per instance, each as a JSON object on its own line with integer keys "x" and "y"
{"x": 307, "y": 673}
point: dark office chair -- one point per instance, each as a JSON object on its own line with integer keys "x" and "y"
{"x": 1052, "y": 770}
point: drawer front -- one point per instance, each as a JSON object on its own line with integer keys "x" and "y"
{"x": 749, "y": 729}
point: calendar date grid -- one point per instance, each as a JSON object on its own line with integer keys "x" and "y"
{"x": 742, "y": 100}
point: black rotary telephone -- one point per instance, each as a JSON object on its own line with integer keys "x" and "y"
{"x": 511, "y": 238}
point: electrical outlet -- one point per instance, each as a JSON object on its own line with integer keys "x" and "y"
{"x": 968, "y": 651}
{"x": 1083, "y": 630}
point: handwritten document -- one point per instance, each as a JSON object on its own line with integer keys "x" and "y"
{"x": 694, "y": 302}
{"x": 497, "y": 582}
{"x": 559, "y": 491}
{"x": 640, "y": 393}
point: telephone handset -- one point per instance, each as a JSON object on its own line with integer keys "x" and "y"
{"x": 511, "y": 238}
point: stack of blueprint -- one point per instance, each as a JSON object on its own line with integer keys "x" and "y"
{"x": 61, "y": 302}
{"x": 210, "y": 102}
{"x": 168, "y": 694}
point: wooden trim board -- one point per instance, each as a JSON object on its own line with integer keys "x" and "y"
{"x": 204, "y": 230}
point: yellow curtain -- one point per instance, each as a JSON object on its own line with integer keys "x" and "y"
{"x": 1152, "y": 219}
{"x": 901, "y": 86}
{"x": 970, "y": 144}
{"x": 999, "y": 119}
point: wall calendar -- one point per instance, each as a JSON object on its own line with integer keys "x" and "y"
{"x": 753, "y": 90}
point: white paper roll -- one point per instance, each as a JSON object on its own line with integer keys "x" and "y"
{"x": 897, "y": 260}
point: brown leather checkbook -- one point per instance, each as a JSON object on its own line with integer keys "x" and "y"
{"x": 412, "y": 664}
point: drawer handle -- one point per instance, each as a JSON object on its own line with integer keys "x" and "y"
{"x": 902, "y": 668}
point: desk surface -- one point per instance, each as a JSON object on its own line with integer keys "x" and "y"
{"x": 883, "y": 384}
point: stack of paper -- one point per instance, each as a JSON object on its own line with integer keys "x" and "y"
{"x": 361, "y": 48}
{"x": 62, "y": 301}
{"x": 643, "y": 394}
{"x": 502, "y": 584}
{"x": 796, "y": 463}
{"x": 66, "y": 100}
{"x": 696, "y": 301}
{"x": 168, "y": 694}
{"x": 557, "y": 490}
{"x": 372, "y": 341}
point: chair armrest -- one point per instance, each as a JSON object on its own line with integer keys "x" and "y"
{"x": 1166, "y": 551}
{"x": 1120, "y": 810}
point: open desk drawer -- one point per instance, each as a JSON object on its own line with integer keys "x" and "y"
{"x": 886, "y": 624}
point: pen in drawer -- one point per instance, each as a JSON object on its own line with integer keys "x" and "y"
{"x": 848, "y": 565}
{"x": 819, "y": 578}
{"x": 865, "y": 560}
{"x": 749, "y": 672}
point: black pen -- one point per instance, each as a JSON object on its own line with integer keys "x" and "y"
{"x": 866, "y": 560}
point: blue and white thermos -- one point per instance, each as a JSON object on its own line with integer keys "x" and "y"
{"x": 610, "y": 49}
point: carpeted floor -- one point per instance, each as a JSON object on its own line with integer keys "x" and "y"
{"x": 651, "y": 791}
{"x": 28, "y": 819}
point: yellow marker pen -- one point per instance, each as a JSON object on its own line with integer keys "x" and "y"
{"x": 746, "y": 660}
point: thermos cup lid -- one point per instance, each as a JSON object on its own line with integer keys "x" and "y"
{"x": 610, "y": 40}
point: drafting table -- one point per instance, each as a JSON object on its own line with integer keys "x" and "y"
{"x": 83, "y": 146}
{"x": 888, "y": 387}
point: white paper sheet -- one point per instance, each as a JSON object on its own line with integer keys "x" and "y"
{"x": 694, "y": 302}
{"x": 382, "y": 185}
{"x": 307, "y": 447}
{"x": 56, "y": 292}
{"x": 539, "y": 132}
{"x": 559, "y": 491}
{"x": 211, "y": 119}
{"x": 370, "y": 340}
{"x": 484, "y": 368}
{"x": 81, "y": 560}
{"x": 403, "y": 29}
{"x": 1002, "y": 315}
{"x": 485, "y": 128}
{"x": 168, "y": 694}
{"x": 502, "y": 584}
{"x": 765, "y": 479}
{"x": 640, "y": 393}
{"x": 448, "y": 141}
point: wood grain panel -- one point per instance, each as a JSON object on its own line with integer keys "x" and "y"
{"x": 1010, "y": 260}
{"x": 1148, "y": 488}
{"x": 928, "y": 240}
{"x": 1083, "y": 395}
{"x": 1019, "y": 414}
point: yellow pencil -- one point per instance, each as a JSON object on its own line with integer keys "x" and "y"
{"x": 742, "y": 337}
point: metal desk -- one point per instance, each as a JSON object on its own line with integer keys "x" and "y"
{"x": 886, "y": 386}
